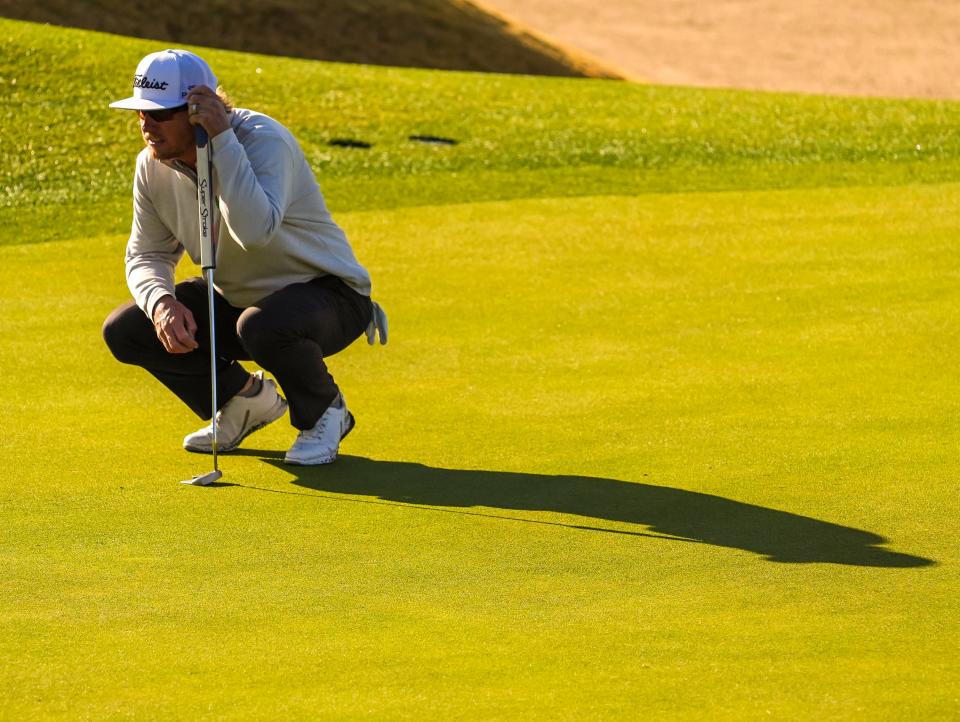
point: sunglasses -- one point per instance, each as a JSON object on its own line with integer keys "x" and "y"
{"x": 162, "y": 116}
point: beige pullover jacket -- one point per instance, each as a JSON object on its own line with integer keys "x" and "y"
{"x": 275, "y": 228}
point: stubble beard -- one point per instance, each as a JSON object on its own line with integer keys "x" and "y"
{"x": 165, "y": 151}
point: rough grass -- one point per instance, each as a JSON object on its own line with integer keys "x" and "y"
{"x": 517, "y": 137}
{"x": 676, "y": 455}
{"x": 439, "y": 34}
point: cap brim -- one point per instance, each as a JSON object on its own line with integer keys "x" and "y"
{"x": 135, "y": 103}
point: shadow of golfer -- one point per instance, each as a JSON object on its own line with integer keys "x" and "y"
{"x": 674, "y": 514}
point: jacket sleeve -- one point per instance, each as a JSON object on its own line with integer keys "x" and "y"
{"x": 255, "y": 184}
{"x": 152, "y": 250}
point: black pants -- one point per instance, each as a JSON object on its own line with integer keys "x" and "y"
{"x": 288, "y": 333}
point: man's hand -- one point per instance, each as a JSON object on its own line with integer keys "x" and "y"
{"x": 205, "y": 108}
{"x": 175, "y": 325}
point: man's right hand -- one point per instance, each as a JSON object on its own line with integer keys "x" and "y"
{"x": 175, "y": 325}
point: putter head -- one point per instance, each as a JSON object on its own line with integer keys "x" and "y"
{"x": 204, "y": 479}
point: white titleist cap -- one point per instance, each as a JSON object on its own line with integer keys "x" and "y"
{"x": 163, "y": 80}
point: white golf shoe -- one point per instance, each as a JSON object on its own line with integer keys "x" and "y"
{"x": 320, "y": 444}
{"x": 238, "y": 418}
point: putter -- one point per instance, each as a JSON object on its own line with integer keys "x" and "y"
{"x": 208, "y": 262}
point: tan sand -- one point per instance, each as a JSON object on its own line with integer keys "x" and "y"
{"x": 898, "y": 48}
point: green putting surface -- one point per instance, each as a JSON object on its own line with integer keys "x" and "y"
{"x": 684, "y": 454}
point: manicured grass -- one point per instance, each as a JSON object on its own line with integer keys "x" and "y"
{"x": 590, "y": 496}
{"x": 675, "y": 455}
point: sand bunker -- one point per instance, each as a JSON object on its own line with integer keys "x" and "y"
{"x": 899, "y": 48}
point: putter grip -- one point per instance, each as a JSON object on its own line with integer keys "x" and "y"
{"x": 206, "y": 201}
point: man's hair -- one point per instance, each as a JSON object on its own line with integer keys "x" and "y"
{"x": 224, "y": 98}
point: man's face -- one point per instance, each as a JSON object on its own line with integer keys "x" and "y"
{"x": 169, "y": 134}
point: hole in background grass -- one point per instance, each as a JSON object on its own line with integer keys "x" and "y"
{"x": 433, "y": 140}
{"x": 348, "y": 143}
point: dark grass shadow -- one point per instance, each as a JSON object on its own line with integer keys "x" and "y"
{"x": 664, "y": 512}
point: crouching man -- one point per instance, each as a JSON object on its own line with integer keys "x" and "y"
{"x": 289, "y": 291}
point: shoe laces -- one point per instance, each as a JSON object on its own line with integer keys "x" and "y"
{"x": 219, "y": 418}
{"x": 316, "y": 431}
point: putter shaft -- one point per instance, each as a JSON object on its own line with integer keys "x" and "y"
{"x": 206, "y": 201}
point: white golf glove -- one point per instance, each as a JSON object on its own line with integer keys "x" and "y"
{"x": 377, "y": 323}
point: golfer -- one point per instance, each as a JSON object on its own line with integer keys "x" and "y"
{"x": 289, "y": 289}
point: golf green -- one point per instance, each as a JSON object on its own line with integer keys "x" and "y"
{"x": 696, "y": 462}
